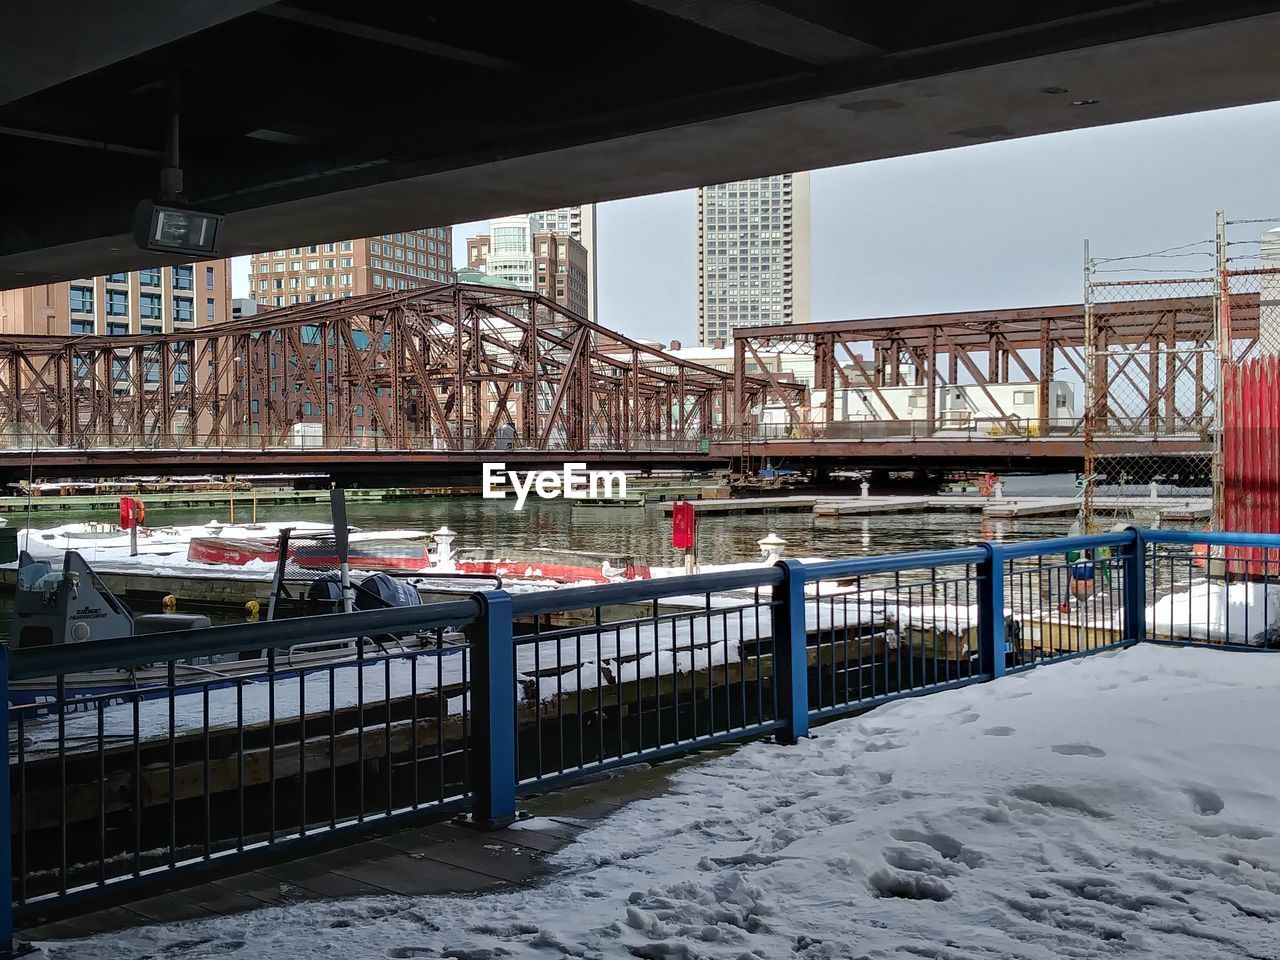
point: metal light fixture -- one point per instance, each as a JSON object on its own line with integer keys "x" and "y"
{"x": 170, "y": 225}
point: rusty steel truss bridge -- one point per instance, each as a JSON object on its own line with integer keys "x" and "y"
{"x": 446, "y": 375}
{"x": 436, "y": 380}
{"x": 1143, "y": 373}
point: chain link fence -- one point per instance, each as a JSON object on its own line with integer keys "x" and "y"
{"x": 1152, "y": 384}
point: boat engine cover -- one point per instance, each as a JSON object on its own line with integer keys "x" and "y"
{"x": 325, "y": 594}
{"x": 379, "y": 591}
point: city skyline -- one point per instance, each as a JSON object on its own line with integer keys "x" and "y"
{"x": 988, "y": 226}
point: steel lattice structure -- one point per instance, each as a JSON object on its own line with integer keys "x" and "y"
{"x": 449, "y": 367}
{"x": 1152, "y": 386}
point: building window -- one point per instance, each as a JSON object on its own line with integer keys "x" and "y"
{"x": 328, "y": 264}
{"x": 264, "y": 268}
{"x": 149, "y": 306}
{"x": 208, "y": 278}
{"x": 328, "y": 248}
{"x": 117, "y": 329}
{"x": 313, "y": 249}
{"x": 117, "y": 278}
{"x": 183, "y": 278}
{"x": 313, "y": 264}
{"x": 295, "y": 265}
{"x": 208, "y": 310}
{"x": 377, "y": 279}
{"x": 344, "y": 262}
{"x": 117, "y": 303}
{"x": 278, "y": 267}
{"x": 183, "y": 309}
{"x": 82, "y": 300}
{"x": 79, "y": 327}
{"x": 148, "y": 278}
{"x": 346, "y": 246}
{"x": 311, "y": 281}
{"x": 151, "y": 329}
{"x": 345, "y": 279}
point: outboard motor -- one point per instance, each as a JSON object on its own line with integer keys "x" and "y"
{"x": 325, "y": 595}
{"x": 379, "y": 591}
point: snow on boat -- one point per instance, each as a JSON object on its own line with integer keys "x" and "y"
{"x": 562, "y": 566}
{"x": 378, "y": 553}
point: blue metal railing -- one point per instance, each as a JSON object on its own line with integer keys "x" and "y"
{"x": 145, "y": 757}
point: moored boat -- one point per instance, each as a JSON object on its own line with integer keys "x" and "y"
{"x": 563, "y": 566}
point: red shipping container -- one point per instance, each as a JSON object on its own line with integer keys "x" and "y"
{"x": 1251, "y": 459}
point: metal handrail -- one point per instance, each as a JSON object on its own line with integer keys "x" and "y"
{"x": 117, "y": 652}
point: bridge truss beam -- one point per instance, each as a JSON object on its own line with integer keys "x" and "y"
{"x": 1157, "y": 343}
{"x": 449, "y": 367}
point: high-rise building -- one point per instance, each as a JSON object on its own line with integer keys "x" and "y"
{"x": 517, "y": 252}
{"x": 348, "y": 268}
{"x": 753, "y": 254}
{"x": 154, "y": 300}
{"x": 579, "y": 223}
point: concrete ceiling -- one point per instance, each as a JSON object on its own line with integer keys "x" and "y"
{"x": 317, "y": 120}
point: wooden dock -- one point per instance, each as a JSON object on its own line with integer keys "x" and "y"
{"x": 1162, "y": 510}
{"x": 242, "y": 499}
{"x": 867, "y": 506}
{"x": 739, "y": 505}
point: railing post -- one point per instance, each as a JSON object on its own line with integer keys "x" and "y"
{"x": 493, "y": 712}
{"x": 1134, "y": 556}
{"x": 6, "y": 822}
{"x": 992, "y": 643}
{"x": 790, "y": 652}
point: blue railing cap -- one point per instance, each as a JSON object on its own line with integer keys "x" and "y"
{"x": 639, "y": 591}
{"x": 893, "y": 562}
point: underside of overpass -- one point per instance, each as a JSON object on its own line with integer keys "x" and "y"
{"x": 318, "y": 120}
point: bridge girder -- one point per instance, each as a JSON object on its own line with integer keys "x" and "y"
{"x": 449, "y": 367}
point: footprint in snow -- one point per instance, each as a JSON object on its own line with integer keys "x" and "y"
{"x": 1078, "y": 750}
{"x": 999, "y": 731}
{"x": 1206, "y": 802}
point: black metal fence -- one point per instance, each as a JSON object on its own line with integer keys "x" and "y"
{"x": 148, "y": 756}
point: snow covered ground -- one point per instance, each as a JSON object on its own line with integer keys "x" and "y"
{"x": 1123, "y": 805}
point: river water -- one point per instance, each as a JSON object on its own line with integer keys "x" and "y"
{"x": 642, "y": 533}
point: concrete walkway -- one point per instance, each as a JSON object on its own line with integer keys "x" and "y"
{"x": 438, "y": 858}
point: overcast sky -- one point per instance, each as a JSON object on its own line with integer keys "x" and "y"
{"x": 994, "y": 225}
